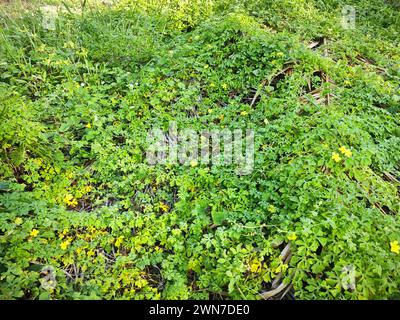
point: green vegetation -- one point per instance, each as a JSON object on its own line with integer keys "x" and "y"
{"x": 77, "y": 194}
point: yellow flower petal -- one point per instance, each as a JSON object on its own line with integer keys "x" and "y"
{"x": 255, "y": 266}
{"x": 70, "y": 200}
{"x": 395, "y": 247}
{"x": 164, "y": 207}
{"x": 336, "y": 157}
{"x": 345, "y": 151}
{"x": 90, "y": 253}
{"x": 64, "y": 245}
{"x": 119, "y": 241}
{"x": 34, "y": 233}
{"x": 348, "y": 153}
{"x": 292, "y": 236}
{"x": 193, "y": 163}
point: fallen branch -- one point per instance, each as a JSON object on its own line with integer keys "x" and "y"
{"x": 285, "y": 256}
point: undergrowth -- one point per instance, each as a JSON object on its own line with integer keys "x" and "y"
{"x": 77, "y": 194}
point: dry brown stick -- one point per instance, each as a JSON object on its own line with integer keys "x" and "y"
{"x": 285, "y": 252}
{"x": 265, "y": 81}
{"x": 257, "y": 93}
{"x": 313, "y": 44}
{"x": 274, "y": 292}
{"x": 380, "y": 209}
{"x": 390, "y": 177}
{"x": 285, "y": 257}
{"x": 286, "y": 291}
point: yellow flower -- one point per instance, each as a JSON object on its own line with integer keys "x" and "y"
{"x": 64, "y": 245}
{"x": 90, "y": 253}
{"x": 164, "y": 207}
{"x": 193, "y": 163}
{"x": 345, "y": 151}
{"x": 120, "y": 240}
{"x": 244, "y": 113}
{"x": 34, "y": 233}
{"x": 221, "y": 117}
{"x": 69, "y": 44}
{"x": 18, "y": 221}
{"x": 395, "y": 247}
{"x": 292, "y": 236}
{"x": 88, "y": 126}
{"x": 348, "y": 153}
{"x": 271, "y": 209}
{"x": 68, "y": 197}
{"x": 336, "y": 157}
{"x": 255, "y": 266}
{"x": 210, "y": 110}
{"x": 225, "y": 86}
{"x": 79, "y": 250}
{"x": 70, "y": 201}
{"x": 88, "y": 188}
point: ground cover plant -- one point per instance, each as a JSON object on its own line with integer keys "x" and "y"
{"x": 84, "y": 216}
